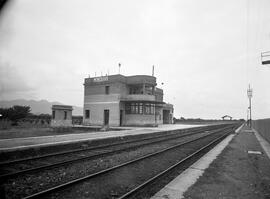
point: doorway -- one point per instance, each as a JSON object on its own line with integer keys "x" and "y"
{"x": 166, "y": 116}
{"x": 121, "y": 117}
{"x": 106, "y": 116}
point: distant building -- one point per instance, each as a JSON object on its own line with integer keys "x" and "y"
{"x": 118, "y": 100}
{"x": 226, "y": 117}
{"x": 61, "y": 116}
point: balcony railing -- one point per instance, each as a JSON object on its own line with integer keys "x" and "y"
{"x": 139, "y": 97}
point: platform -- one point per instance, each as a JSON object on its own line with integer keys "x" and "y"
{"x": 239, "y": 167}
{"x": 23, "y": 143}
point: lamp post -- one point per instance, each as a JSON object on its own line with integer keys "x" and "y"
{"x": 249, "y": 94}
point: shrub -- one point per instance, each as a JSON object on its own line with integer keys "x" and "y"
{"x": 5, "y": 124}
{"x": 15, "y": 113}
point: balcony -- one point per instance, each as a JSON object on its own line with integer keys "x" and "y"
{"x": 139, "y": 79}
{"x": 138, "y": 97}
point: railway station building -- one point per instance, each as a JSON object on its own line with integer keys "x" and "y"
{"x": 119, "y": 100}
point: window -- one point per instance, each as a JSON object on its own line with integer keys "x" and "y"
{"x": 152, "y": 111}
{"x": 141, "y": 108}
{"x": 87, "y": 114}
{"x": 53, "y": 114}
{"x": 128, "y": 108}
{"x": 134, "y": 108}
{"x": 65, "y": 116}
{"x": 107, "y": 90}
{"x": 135, "y": 90}
{"x": 149, "y": 109}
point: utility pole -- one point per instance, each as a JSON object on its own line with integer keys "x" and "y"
{"x": 119, "y": 66}
{"x": 249, "y": 94}
{"x": 247, "y": 115}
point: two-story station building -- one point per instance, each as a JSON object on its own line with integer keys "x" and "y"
{"x": 118, "y": 100}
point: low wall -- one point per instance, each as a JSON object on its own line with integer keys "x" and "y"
{"x": 139, "y": 120}
{"x": 61, "y": 123}
{"x": 263, "y": 127}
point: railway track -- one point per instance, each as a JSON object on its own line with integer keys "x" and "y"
{"x": 141, "y": 191}
{"x": 24, "y": 166}
{"x": 127, "y": 179}
{"x": 67, "y": 152}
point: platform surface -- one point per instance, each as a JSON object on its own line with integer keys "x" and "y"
{"x": 22, "y": 143}
{"x": 241, "y": 170}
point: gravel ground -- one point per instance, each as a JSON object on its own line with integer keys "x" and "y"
{"x": 37, "y": 151}
{"x": 84, "y": 153}
{"x": 235, "y": 173}
{"x": 29, "y": 184}
{"x": 43, "y": 150}
{"x": 121, "y": 180}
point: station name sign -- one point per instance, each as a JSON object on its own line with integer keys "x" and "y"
{"x": 101, "y": 79}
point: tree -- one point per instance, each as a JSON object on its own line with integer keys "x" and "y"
{"x": 15, "y": 113}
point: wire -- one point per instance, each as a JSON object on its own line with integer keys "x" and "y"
{"x": 247, "y": 40}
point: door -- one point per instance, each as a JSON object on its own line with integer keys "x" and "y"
{"x": 166, "y": 116}
{"x": 106, "y": 117}
{"x": 121, "y": 117}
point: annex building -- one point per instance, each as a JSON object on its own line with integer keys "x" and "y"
{"x": 119, "y": 100}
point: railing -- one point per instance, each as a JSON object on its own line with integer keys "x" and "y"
{"x": 135, "y": 97}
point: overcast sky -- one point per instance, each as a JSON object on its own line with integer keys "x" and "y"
{"x": 205, "y": 52}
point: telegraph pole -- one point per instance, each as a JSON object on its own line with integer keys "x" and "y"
{"x": 247, "y": 114}
{"x": 249, "y": 94}
{"x": 119, "y": 66}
